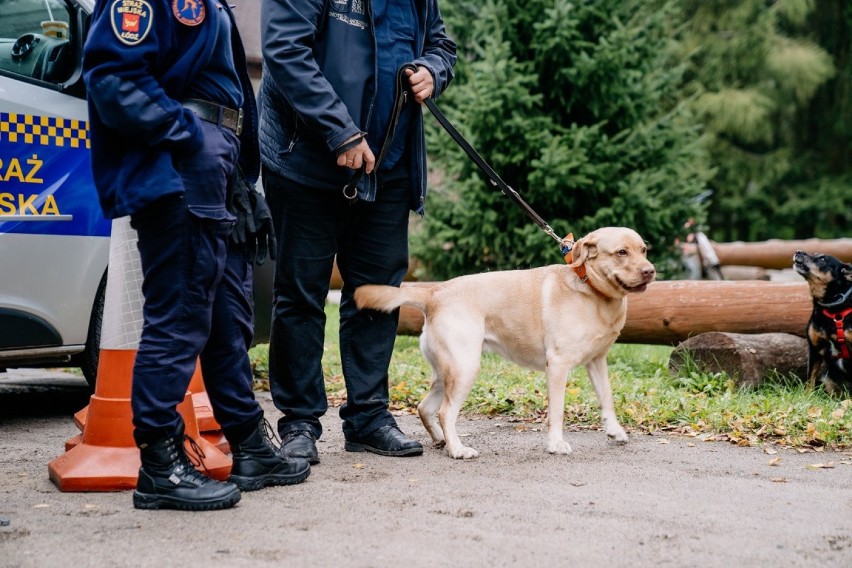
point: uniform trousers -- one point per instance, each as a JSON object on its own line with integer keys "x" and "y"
{"x": 198, "y": 300}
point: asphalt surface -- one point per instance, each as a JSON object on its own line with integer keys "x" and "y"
{"x": 656, "y": 501}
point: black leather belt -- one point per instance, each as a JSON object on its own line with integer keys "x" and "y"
{"x": 217, "y": 114}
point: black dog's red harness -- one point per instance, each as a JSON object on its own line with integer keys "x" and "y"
{"x": 838, "y": 318}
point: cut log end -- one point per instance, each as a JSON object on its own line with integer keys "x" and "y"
{"x": 748, "y": 359}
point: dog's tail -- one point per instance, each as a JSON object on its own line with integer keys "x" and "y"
{"x": 389, "y": 298}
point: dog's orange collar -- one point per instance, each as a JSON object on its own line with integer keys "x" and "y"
{"x": 838, "y": 318}
{"x": 580, "y": 271}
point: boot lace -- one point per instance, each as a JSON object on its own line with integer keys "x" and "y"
{"x": 195, "y": 457}
{"x": 271, "y": 436}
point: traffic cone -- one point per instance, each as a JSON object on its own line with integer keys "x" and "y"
{"x": 106, "y": 457}
{"x": 207, "y": 425}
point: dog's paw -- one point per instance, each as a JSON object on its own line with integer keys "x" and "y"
{"x": 463, "y": 453}
{"x": 618, "y": 434}
{"x": 559, "y": 447}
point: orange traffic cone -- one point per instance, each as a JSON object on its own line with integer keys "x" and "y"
{"x": 105, "y": 457}
{"x": 207, "y": 425}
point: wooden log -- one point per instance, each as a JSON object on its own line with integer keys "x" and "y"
{"x": 673, "y": 311}
{"x": 778, "y": 254}
{"x": 748, "y": 359}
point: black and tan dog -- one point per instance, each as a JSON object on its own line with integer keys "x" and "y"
{"x": 830, "y": 327}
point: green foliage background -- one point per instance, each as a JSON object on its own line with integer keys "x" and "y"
{"x": 773, "y": 85}
{"x": 575, "y": 105}
{"x": 622, "y": 112}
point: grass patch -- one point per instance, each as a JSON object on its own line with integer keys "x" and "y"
{"x": 648, "y": 398}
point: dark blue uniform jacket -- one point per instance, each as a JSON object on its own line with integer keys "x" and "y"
{"x": 135, "y": 82}
{"x": 319, "y": 87}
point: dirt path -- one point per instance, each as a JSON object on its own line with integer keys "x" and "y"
{"x": 656, "y": 501}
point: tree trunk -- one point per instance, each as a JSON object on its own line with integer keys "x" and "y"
{"x": 746, "y": 358}
{"x": 778, "y": 254}
{"x": 673, "y": 311}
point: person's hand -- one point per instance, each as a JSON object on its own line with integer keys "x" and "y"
{"x": 422, "y": 84}
{"x": 357, "y": 156}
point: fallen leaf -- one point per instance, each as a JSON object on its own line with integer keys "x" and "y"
{"x": 778, "y": 480}
{"x": 662, "y": 441}
{"x": 41, "y": 506}
{"x": 359, "y": 466}
{"x": 690, "y": 445}
{"x": 774, "y": 461}
{"x": 829, "y": 465}
{"x": 769, "y": 451}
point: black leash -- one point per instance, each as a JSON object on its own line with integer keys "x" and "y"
{"x": 399, "y": 101}
{"x": 495, "y": 180}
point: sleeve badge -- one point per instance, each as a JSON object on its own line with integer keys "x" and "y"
{"x": 131, "y": 20}
{"x": 189, "y": 12}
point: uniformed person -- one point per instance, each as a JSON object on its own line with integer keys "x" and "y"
{"x": 172, "y": 116}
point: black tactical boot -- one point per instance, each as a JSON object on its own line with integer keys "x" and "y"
{"x": 257, "y": 464}
{"x": 168, "y": 480}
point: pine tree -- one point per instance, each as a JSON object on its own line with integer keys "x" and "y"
{"x": 575, "y": 104}
{"x": 764, "y": 88}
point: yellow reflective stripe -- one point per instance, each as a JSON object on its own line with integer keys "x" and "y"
{"x": 43, "y": 130}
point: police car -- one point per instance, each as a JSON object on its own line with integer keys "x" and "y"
{"x": 54, "y": 240}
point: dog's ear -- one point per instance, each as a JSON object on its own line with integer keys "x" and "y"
{"x": 583, "y": 250}
{"x": 846, "y": 271}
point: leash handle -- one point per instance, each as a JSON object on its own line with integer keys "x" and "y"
{"x": 489, "y": 171}
{"x": 350, "y": 190}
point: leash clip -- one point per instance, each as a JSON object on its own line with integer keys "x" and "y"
{"x": 566, "y": 246}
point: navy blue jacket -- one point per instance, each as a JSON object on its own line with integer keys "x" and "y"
{"x": 134, "y": 83}
{"x": 319, "y": 85}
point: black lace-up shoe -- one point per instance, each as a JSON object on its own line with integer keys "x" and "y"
{"x": 169, "y": 480}
{"x": 258, "y": 464}
{"x": 300, "y": 444}
{"x": 386, "y": 441}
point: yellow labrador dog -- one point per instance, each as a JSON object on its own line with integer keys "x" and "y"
{"x": 549, "y": 319}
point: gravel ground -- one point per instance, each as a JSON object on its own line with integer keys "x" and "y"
{"x": 656, "y": 501}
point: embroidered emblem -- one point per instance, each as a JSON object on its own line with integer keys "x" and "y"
{"x": 131, "y": 20}
{"x": 189, "y": 12}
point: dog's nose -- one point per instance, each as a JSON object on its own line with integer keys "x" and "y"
{"x": 649, "y": 272}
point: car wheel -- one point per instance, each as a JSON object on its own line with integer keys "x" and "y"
{"x": 88, "y": 359}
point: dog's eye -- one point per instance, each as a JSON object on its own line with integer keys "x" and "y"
{"x": 622, "y": 252}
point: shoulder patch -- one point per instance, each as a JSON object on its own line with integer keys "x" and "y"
{"x": 189, "y": 12}
{"x": 131, "y": 20}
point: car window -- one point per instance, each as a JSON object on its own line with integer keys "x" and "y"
{"x": 35, "y": 39}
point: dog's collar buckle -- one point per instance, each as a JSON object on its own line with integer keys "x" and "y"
{"x": 838, "y": 319}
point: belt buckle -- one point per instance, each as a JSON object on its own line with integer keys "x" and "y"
{"x": 239, "y": 128}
